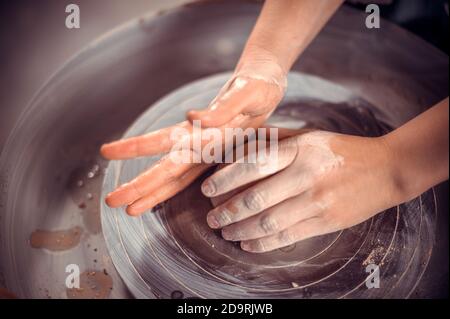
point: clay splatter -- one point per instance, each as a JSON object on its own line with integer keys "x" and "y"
{"x": 93, "y": 285}
{"x": 56, "y": 240}
{"x": 374, "y": 256}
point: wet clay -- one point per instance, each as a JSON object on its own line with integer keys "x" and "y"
{"x": 93, "y": 285}
{"x": 56, "y": 240}
{"x": 374, "y": 257}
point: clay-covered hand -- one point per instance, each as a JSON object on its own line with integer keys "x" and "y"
{"x": 246, "y": 100}
{"x": 320, "y": 182}
{"x": 253, "y": 91}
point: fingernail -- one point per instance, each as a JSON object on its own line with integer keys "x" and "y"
{"x": 226, "y": 235}
{"x": 212, "y": 221}
{"x": 245, "y": 246}
{"x": 208, "y": 188}
{"x": 109, "y": 199}
{"x": 132, "y": 211}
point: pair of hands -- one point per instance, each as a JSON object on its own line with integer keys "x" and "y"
{"x": 322, "y": 182}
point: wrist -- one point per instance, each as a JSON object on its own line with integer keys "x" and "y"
{"x": 404, "y": 186}
{"x": 255, "y": 51}
{"x": 259, "y": 63}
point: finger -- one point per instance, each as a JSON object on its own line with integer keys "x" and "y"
{"x": 304, "y": 229}
{"x": 146, "y": 145}
{"x": 219, "y": 200}
{"x": 230, "y": 102}
{"x": 217, "y": 114}
{"x": 167, "y": 191}
{"x": 254, "y": 200}
{"x": 164, "y": 171}
{"x": 249, "y": 170}
{"x": 286, "y": 132}
{"x": 275, "y": 219}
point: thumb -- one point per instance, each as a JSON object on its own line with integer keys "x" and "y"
{"x": 217, "y": 115}
{"x": 233, "y": 99}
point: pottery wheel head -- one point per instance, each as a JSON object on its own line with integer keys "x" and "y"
{"x": 171, "y": 252}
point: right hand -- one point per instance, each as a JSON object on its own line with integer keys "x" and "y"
{"x": 319, "y": 183}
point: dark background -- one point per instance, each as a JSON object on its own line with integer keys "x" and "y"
{"x": 34, "y": 43}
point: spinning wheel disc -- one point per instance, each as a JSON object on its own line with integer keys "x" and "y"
{"x": 171, "y": 252}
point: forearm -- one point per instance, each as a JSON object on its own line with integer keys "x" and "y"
{"x": 283, "y": 30}
{"x": 420, "y": 152}
{"x": 286, "y": 27}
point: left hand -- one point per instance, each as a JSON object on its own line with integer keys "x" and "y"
{"x": 245, "y": 101}
{"x": 322, "y": 182}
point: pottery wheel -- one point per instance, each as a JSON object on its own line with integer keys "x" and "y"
{"x": 170, "y": 252}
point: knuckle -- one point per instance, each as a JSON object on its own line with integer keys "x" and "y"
{"x": 225, "y": 177}
{"x": 289, "y": 144}
{"x": 224, "y": 217}
{"x": 267, "y": 163}
{"x": 219, "y": 181}
{"x": 254, "y": 200}
{"x": 333, "y": 221}
{"x": 322, "y": 199}
{"x": 286, "y": 237}
{"x": 269, "y": 224}
{"x": 234, "y": 232}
